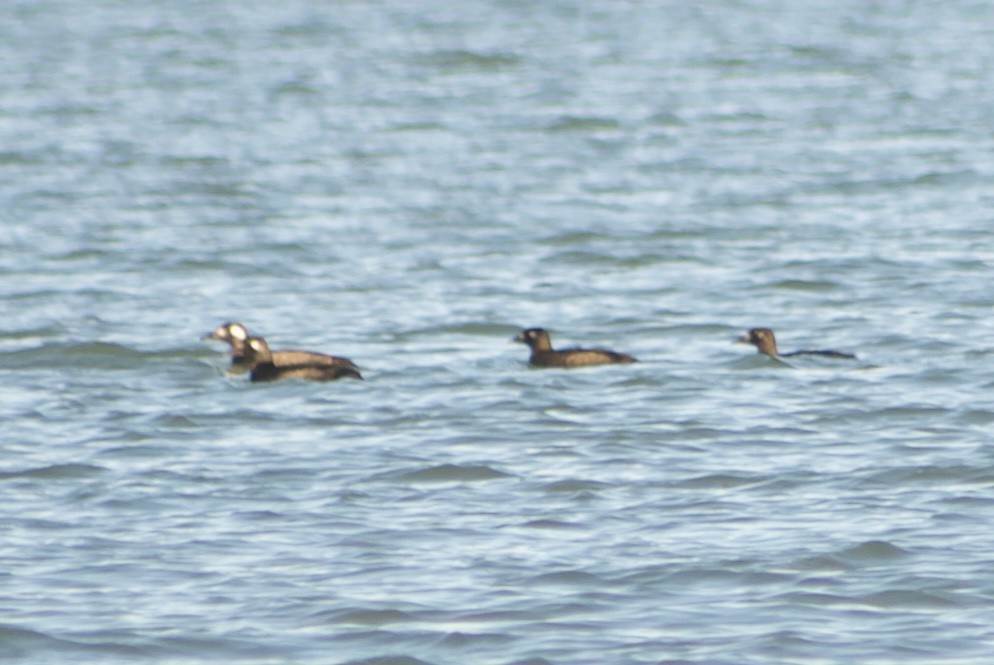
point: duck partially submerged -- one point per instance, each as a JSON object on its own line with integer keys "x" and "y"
{"x": 766, "y": 342}
{"x": 543, "y": 355}
{"x": 262, "y": 368}
{"x": 236, "y": 336}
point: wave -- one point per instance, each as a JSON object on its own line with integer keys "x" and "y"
{"x": 89, "y": 355}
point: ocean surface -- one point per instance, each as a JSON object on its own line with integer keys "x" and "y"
{"x": 410, "y": 183}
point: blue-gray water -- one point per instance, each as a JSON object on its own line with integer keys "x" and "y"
{"x": 408, "y": 184}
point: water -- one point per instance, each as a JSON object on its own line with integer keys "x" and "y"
{"x": 408, "y": 184}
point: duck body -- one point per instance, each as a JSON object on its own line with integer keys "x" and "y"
{"x": 766, "y": 342}
{"x": 263, "y": 372}
{"x": 262, "y": 367}
{"x": 543, "y": 355}
{"x": 293, "y": 357}
{"x": 236, "y": 335}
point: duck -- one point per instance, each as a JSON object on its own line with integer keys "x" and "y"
{"x": 236, "y": 335}
{"x": 543, "y": 355}
{"x": 263, "y": 368}
{"x": 766, "y": 342}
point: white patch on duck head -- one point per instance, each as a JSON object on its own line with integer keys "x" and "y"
{"x": 237, "y": 331}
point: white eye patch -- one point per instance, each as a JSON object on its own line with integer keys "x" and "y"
{"x": 238, "y": 331}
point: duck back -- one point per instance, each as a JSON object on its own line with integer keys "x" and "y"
{"x": 579, "y": 358}
{"x": 263, "y": 372}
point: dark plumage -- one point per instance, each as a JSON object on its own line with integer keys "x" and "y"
{"x": 543, "y": 355}
{"x": 262, "y": 368}
{"x": 766, "y": 342}
{"x": 236, "y": 335}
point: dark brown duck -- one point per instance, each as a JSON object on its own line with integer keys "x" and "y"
{"x": 236, "y": 336}
{"x": 543, "y": 355}
{"x": 766, "y": 342}
{"x": 262, "y": 368}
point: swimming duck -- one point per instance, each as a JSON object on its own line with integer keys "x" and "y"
{"x": 543, "y": 355}
{"x": 262, "y": 368}
{"x": 236, "y": 335}
{"x": 766, "y": 342}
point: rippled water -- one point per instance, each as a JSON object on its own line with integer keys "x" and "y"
{"x": 409, "y": 184}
